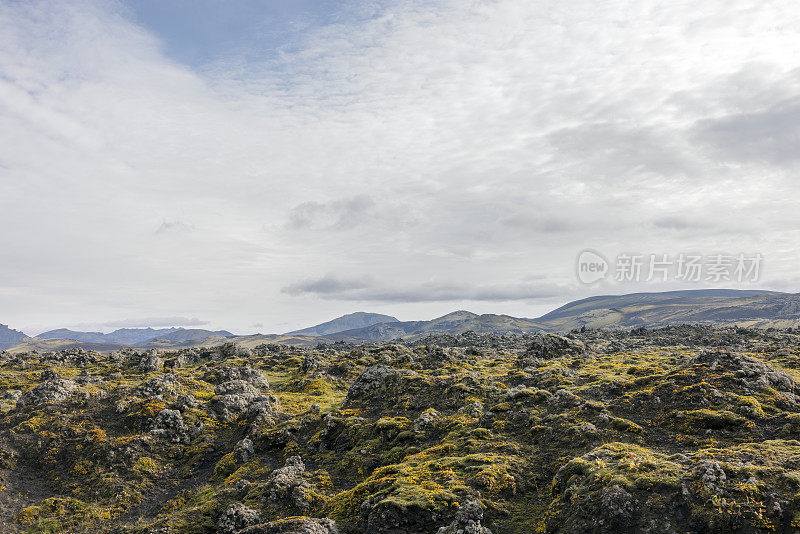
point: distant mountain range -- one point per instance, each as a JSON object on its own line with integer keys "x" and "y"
{"x": 453, "y": 323}
{"x": 123, "y": 336}
{"x": 706, "y": 306}
{"x": 134, "y": 336}
{"x": 350, "y": 321}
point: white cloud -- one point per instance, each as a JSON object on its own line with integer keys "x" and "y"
{"x": 144, "y": 322}
{"x": 475, "y": 143}
{"x": 366, "y": 289}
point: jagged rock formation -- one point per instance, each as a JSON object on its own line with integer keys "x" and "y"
{"x": 9, "y": 337}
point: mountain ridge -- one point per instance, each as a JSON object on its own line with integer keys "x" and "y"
{"x": 751, "y": 308}
{"x": 757, "y": 308}
{"x": 9, "y": 337}
{"x": 133, "y": 336}
{"x": 349, "y": 321}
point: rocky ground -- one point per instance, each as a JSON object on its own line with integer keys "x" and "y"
{"x": 680, "y": 429}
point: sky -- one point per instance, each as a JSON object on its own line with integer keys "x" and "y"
{"x": 263, "y": 166}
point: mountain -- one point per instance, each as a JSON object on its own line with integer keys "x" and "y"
{"x": 704, "y": 306}
{"x": 350, "y": 321}
{"x": 453, "y": 323}
{"x": 189, "y": 334}
{"x": 133, "y": 336}
{"x": 64, "y": 333}
{"x": 9, "y": 337}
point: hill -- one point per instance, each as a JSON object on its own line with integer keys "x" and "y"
{"x": 350, "y": 321}
{"x": 706, "y": 306}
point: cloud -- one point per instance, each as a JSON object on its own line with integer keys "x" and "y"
{"x": 327, "y": 285}
{"x": 145, "y": 322}
{"x": 333, "y": 215}
{"x": 167, "y": 227}
{"x": 415, "y": 141}
{"x": 367, "y": 289}
{"x": 770, "y": 137}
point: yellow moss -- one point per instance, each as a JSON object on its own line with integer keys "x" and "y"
{"x": 147, "y": 466}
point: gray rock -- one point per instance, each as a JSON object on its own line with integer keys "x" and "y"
{"x": 549, "y": 346}
{"x": 426, "y": 420}
{"x": 711, "y": 475}
{"x": 151, "y": 362}
{"x": 53, "y": 389}
{"x": 467, "y": 521}
{"x": 474, "y": 409}
{"x": 169, "y": 424}
{"x": 617, "y": 502}
{"x": 237, "y": 397}
{"x": 564, "y": 399}
{"x": 166, "y": 385}
{"x": 232, "y": 350}
{"x": 235, "y": 518}
{"x": 374, "y": 378}
{"x": 311, "y": 363}
{"x": 290, "y": 482}
{"x": 227, "y": 373}
{"x": 295, "y": 525}
{"x": 751, "y": 373}
{"x": 244, "y": 449}
{"x": 264, "y": 409}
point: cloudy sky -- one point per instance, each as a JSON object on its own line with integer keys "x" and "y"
{"x": 265, "y": 165}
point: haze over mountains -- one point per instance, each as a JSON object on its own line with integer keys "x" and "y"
{"x": 710, "y": 306}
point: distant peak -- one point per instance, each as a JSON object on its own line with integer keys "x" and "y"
{"x": 458, "y": 314}
{"x": 350, "y": 321}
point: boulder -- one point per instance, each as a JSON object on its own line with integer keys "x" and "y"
{"x": 53, "y": 389}
{"x": 290, "y": 483}
{"x": 467, "y": 521}
{"x": 151, "y": 362}
{"x": 548, "y": 346}
{"x": 235, "y": 518}
{"x": 295, "y": 525}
